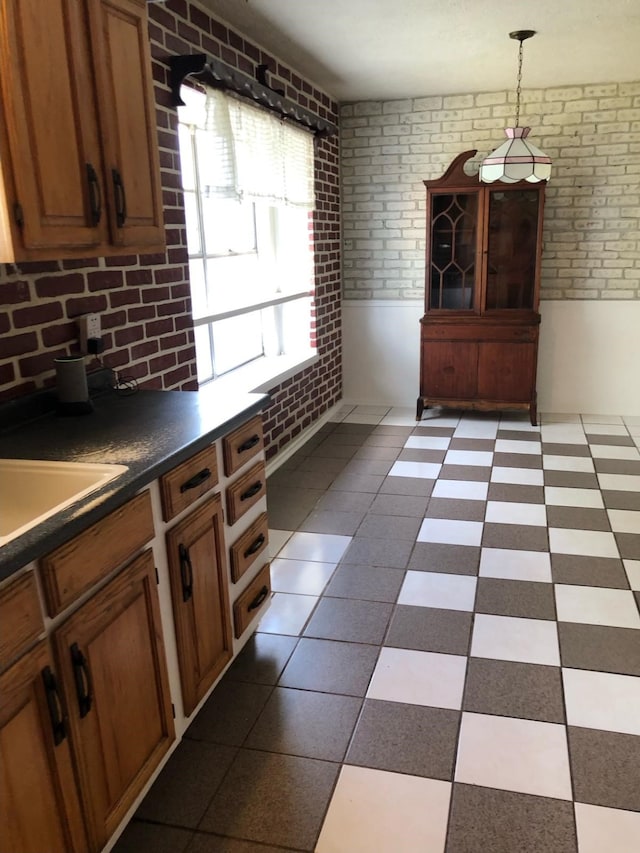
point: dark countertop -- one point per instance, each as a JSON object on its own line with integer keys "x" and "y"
{"x": 150, "y": 432}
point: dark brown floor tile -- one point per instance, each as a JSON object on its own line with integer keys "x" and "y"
{"x": 301, "y": 722}
{"x": 518, "y": 435}
{"x": 410, "y": 486}
{"x": 464, "y": 510}
{"x": 368, "y": 583}
{"x": 229, "y": 713}
{"x": 349, "y": 620}
{"x": 605, "y": 767}
{"x": 516, "y": 493}
{"x": 578, "y": 518}
{"x": 636, "y": 595}
{"x": 517, "y": 460}
{"x": 390, "y": 527}
{"x": 203, "y": 842}
{"x": 588, "y": 571}
{"x": 304, "y": 479}
{"x": 403, "y": 738}
{"x": 357, "y": 482}
{"x": 378, "y": 552}
{"x": 430, "y": 629}
{"x": 515, "y": 598}
{"x": 571, "y": 479}
{"x": 288, "y": 507}
{"x": 450, "y": 559}
{"x": 396, "y": 439}
{"x": 472, "y": 444}
{"x": 368, "y": 466}
{"x": 474, "y": 473}
{"x": 616, "y": 466}
{"x": 182, "y": 792}
{"x": 374, "y": 453}
{"x": 515, "y": 536}
{"x": 337, "y": 448}
{"x": 557, "y": 449}
{"x": 340, "y": 522}
{"x": 611, "y": 440}
{"x": 415, "y": 454}
{"x": 320, "y": 463}
{"x": 407, "y": 505}
{"x": 508, "y": 689}
{"x": 262, "y": 659}
{"x": 273, "y": 799}
{"x": 485, "y": 820}
{"x": 628, "y": 545}
{"x": 621, "y": 500}
{"x": 339, "y": 501}
{"x": 139, "y": 836}
{"x": 600, "y": 648}
{"x": 330, "y": 667}
{"x": 442, "y": 432}
{"x": 392, "y": 429}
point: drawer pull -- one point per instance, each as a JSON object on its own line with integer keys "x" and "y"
{"x": 54, "y": 706}
{"x": 196, "y": 480}
{"x": 186, "y": 572}
{"x": 248, "y": 444}
{"x": 82, "y": 679}
{"x": 255, "y": 546}
{"x": 251, "y": 491}
{"x": 260, "y": 597}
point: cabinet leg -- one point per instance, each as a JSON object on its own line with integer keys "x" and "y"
{"x": 533, "y": 414}
{"x": 419, "y": 408}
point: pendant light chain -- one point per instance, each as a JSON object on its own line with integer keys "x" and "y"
{"x": 518, "y": 88}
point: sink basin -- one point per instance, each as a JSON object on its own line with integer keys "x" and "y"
{"x": 31, "y": 491}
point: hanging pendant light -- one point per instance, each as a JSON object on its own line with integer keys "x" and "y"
{"x": 517, "y": 159}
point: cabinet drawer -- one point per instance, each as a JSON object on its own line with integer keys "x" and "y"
{"x": 188, "y": 481}
{"x": 245, "y": 492}
{"x": 245, "y": 607}
{"x": 242, "y": 444}
{"x": 77, "y": 565}
{"x": 20, "y": 618}
{"x": 246, "y": 550}
{"x": 479, "y": 332}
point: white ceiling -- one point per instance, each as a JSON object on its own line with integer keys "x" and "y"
{"x": 386, "y": 49}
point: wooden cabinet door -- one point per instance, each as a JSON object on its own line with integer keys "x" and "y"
{"x": 49, "y": 150}
{"x": 111, "y": 659}
{"x": 128, "y": 122}
{"x": 40, "y": 807}
{"x": 199, "y": 590}
{"x": 507, "y": 372}
{"x": 449, "y": 369}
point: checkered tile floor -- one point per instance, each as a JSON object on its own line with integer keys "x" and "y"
{"x": 451, "y": 660}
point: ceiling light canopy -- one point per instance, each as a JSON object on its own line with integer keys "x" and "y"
{"x": 517, "y": 159}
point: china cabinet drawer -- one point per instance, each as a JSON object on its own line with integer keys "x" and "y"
{"x": 245, "y": 492}
{"x": 188, "y": 481}
{"x": 246, "y": 550}
{"x": 242, "y": 444}
{"x": 246, "y": 606}
{"x": 20, "y": 618}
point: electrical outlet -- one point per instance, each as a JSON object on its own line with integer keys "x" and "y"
{"x": 89, "y": 328}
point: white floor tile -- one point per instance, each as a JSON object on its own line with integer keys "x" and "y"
{"x": 418, "y": 678}
{"x": 514, "y": 755}
{"x": 400, "y": 416}
{"x": 461, "y": 489}
{"x": 605, "y": 429}
{"x": 559, "y": 418}
{"x": 594, "y": 605}
{"x": 431, "y": 418}
{"x": 563, "y": 433}
{"x": 436, "y": 589}
{"x": 421, "y": 470}
{"x": 277, "y": 540}
{"x": 515, "y": 639}
{"x": 450, "y": 532}
{"x": 361, "y": 418}
{"x": 580, "y": 464}
{"x": 469, "y": 457}
{"x": 377, "y": 810}
{"x": 302, "y": 577}
{"x": 339, "y": 414}
{"x": 601, "y": 419}
{"x": 561, "y": 496}
{"x": 512, "y": 512}
{"x": 602, "y": 700}
{"x": 521, "y": 425}
{"x": 287, "y": 614}
{"x": 601, "y": 829}
{"x": 614, "y": 451}
{"x": 624, "y": 520}
{"x": 515, "y": 565}
{"x": 372, "y": 410}
{"x": 588, "y": 543}
{"x": 476, "y": 429}
{"x": 517, "y": 476}
{"x": 619, "y": 482}
{"x": 631, "y": 420}
{"x": 428, "y": 442}
{"x": 504, "y": 445}
{"x": 318, "y": 547}
{"x": 632, "y": 568}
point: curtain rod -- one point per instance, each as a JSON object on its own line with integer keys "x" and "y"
{"x": 223, "y": 76}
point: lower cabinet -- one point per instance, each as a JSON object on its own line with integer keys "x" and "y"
{"x": 112, "y": 666}
{"x": 200, "y": 597}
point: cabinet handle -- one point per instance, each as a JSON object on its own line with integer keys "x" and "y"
{"x": 196, "y": 480}
{"x": 255, "y": 547}
{"x": 260, "y": 597}
{"x": 95, "y": 196}
{"x": 120, "y": 196}
{"x": 186, "y": 572}
{"x": 251, "y": 491}
{"x": 54, "y": 705}
{"x": 82, "y": 678}
{"x": 248, "y": 444}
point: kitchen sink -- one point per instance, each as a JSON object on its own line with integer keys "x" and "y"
{"x": 32, "y": 490}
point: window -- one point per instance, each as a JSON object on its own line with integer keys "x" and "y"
{"x": 248, "y": 194}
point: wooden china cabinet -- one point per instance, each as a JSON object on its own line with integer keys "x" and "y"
{"x": 479, "y": 333}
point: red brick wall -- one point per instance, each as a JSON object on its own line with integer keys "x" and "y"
{"x": 144, "y": 300}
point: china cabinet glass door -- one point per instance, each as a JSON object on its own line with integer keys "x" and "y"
{"x": 453, "y": 250}
{"x": 512, "y": 248}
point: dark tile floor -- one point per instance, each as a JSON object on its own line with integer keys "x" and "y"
{"x": 451, "y": 659}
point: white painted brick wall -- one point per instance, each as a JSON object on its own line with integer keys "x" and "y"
{"x": 592, "y": 212}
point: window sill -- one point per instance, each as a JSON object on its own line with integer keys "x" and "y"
{"x": 264, "y": 374}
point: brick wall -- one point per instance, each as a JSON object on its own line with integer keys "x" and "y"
{"x": 592, "y": 211}
{"x": 144, "y": 300}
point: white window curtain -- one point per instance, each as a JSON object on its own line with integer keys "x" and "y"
{"x": 249, "y": 153}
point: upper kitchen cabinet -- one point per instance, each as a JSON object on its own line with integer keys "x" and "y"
{"x": 479, "y": 334}
{"x": 78, "y": 146}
